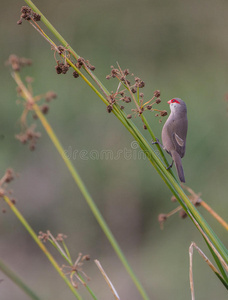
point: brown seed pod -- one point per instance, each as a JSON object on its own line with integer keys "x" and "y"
{"x": 163, "y": 113}
{"x": 109, "y": 108}
{"x": 157, "y": 93}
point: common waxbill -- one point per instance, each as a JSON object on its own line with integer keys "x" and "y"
{"x": 174, "y": 133}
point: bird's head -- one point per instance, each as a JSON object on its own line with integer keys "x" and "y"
{"x": 177, "y": 105}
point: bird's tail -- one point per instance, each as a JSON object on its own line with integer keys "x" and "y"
{"x": 177, "y": 160}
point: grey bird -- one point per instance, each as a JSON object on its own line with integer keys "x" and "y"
{"x": 174, "y": 134}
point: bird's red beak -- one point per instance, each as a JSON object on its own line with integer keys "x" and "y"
{"x": 169, "y": 101}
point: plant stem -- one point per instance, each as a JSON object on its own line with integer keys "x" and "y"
{"x": 81, "y": 185}
{"x": 17, "y": 280}
{"x": 41, "y": 245}
{"x": 156, "y": 162}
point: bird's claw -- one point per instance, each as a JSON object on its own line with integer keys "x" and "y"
{"x": 170, "y": 166}
{"x": 155, "y": 142}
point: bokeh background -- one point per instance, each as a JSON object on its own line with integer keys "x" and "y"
{"x": 179, "y": 47}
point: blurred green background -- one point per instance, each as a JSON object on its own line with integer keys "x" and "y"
{"x": 178, "y": 47}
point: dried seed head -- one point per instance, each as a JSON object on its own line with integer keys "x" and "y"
{"x": 108, "y": 77}
{"x": 163, "y": 113}
{"x": 92, "y": 68}
{"x": 60, "y": 237}
{"x": 36, "y": 17}
{"x": 198, "y": 201}
{"x": 126, "y": 72}
{"x": 22, "y": 138}
{"x": 144, "y": 127}
{"x": 2, "y": 192}
{"x": 137, "y": 79}
{"x": 157, "y": 93}
{"x": 50, "y": 95}
{"x": 133, "y": 90}
{"x": 13, "y": 201}
{"x": 161, "y": 219}
{"x": 149, "y": 107}
{"x": 158, "y": 100}
{"x": 58, "y": 68}
{"x": 65, "y": 68}
{"x": 129, "y": 116}
{"x": 114, "y": 73}
{"x": 141, "y": 84}
{"x": 61, "y": 49}
{"x": 111, "y": 99}
{"x": 29, "y": 135}
{"x": 109, "y": 108}
{"x": 14, "y": 61}
{"x": 80, "y": 62}
{"x": 9, "y": 175}
{"x": 121, "y": 107}
{"x": 182, "y": 214}
{"x": 44, "y": 236}
{"x": 127, "y": 99}
{"x": 44, "y": 108}
{"x": 26, "y": 13}
{"x": 75, "y": 74}
{"x": 25, "y": 9}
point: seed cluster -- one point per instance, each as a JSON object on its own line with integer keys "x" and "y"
{"x": 28, "y": 135}
{"x": 18, "y": 62}
{"x": 28, "y": 14}
{"x": 194, "y": 198}
{"x": 62, "y": 66}
{"x": 135, "y": 96}
{"x": 6, "y": 179}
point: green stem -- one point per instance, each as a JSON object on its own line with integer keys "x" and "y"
{"x": 9, "y": 273}
{"x": 41, "y": 245}
{"x": 90, "y": 201}
{"x": 82, "y": 187}
{"x": 166, "y": 176}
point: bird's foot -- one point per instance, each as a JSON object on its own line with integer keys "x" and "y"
{"x": 157, "y": 142}
{"x": 170, "y": 166}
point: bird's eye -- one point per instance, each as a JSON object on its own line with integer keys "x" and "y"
{"x": 175, "y": 101}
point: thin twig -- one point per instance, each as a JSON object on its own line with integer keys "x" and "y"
{"x": 113, "y": 290}
{"x": 206, "y": 259}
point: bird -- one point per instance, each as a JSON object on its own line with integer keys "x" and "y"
{"x": 174, "y": 133}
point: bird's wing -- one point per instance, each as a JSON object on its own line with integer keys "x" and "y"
{"x": 179, "y": 144}
{"x": 179, "y": 140}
